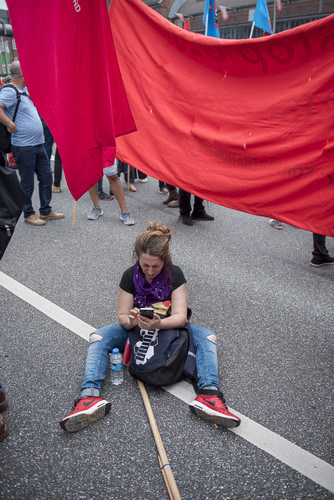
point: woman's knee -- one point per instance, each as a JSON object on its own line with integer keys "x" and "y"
{"x": 94, "y": 337}
{"x": 212, "y": 338}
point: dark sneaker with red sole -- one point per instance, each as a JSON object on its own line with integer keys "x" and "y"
{"x": 211, "y": 405}
{"x": 86, "y": 411}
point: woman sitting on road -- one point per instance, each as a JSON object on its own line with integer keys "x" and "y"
{"x": 157, "y": 282}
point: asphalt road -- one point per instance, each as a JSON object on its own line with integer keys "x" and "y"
{"x": 248, "y": 282}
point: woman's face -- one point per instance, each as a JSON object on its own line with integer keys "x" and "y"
{"x": 151, "y": 266}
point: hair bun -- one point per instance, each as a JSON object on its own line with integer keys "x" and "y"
{"x": 161, "y": 228}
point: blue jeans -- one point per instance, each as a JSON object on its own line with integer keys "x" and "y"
{"x": 31, "y": 159}
{"x": 116, "y": 336}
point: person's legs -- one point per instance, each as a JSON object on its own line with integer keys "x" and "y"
{"x": 101, "y": 194}
{"x": 199, "y": 212}
{"x": 319, "y": 245}
{"x": 185, "y": 207}
{"x": 206, "y": 356}
{"x": 131, "y": 178}
{"x": 142, "y": 176}
{"x": 58, "y": 170}
{"x": 184, "y": 201}
{"x": 100, "y": 186}
{"x": 117, "y": 189}
{"x": 101, "y": 343}
{"x": 90, "y": 407}
{"x": 48, "y": 140}
{"x": 198, "y": 206}
{"x": 97, "y": 210}
{"x": 26, "y": 162}
{"x": 320, "y": 253}
{"x": 132, "y": 173}
{"x": 44, "y": 176}
{"x": 210, "y": 402}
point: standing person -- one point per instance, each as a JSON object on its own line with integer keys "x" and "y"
{"x": 117, "y": 190}
{"x": 28, "y": 148}
{"x": 153, "y": 281}
{"x": 198, "y": 212}
{"x": 320, "y": 253}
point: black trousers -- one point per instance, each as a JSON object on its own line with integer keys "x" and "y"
{"x": 319, "y": 246}
{"x": 58, "y": 170}
{"x": 185, "y": 205}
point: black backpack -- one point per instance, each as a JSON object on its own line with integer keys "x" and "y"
{"x": 5, "y": 144}
{"x": 11, "y": 203}
{"x": 162, "y": 357}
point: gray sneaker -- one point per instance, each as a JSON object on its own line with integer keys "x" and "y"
{"x": 126, "y": 218}
{"x": 95, "y": 213}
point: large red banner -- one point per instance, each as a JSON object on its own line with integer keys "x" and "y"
{"x": 77, "y": 89}
{"x": 247, "y": 124}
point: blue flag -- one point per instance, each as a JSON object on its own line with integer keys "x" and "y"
{"x": 261, "y": 16}
{"x": 210, "y": 18}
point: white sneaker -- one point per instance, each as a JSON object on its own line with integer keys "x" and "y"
{"x": 276, "y": 224}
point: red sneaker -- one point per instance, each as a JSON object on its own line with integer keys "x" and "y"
{"x": 210, "y": 405}
{"x": 85, "y": 412}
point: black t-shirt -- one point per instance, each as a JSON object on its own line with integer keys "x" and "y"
{"x": 128, "y": 286}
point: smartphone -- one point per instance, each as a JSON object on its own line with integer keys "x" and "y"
{"x": 147, "y": 312}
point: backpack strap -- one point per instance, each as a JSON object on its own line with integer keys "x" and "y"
{"x": 18, "y": 98}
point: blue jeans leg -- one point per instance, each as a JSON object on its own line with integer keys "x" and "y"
{"x": 31, "y": 160}
{"x": 206, "y": 356}
{"x": 98, "y": 356}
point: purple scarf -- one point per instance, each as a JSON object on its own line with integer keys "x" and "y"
{"x": 150, "y": 293}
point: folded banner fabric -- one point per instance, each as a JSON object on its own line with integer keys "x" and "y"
{"x": 247, "y": 124}
{"x": 70, "y": 67}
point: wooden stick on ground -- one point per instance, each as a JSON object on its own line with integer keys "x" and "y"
{"x": 163, "y": 460}
{"x": 165, "y": 477}
{"x": 74, "y": 215}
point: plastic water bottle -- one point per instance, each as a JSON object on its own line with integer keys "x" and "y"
{"x": 116, "y": 366}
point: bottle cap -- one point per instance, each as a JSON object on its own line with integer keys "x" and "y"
{"x": 115, "y": 350}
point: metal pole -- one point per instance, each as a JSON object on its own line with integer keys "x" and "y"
{"x": 252, "y": 29}
{"x": 274, "y": 20}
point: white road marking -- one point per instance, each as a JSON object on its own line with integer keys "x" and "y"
{"x": 288, "y": 453}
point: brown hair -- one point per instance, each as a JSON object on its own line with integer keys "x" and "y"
{"x": 154, "y": 241}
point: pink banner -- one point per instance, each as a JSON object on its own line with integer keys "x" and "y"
{"x": 70, "y": 67}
